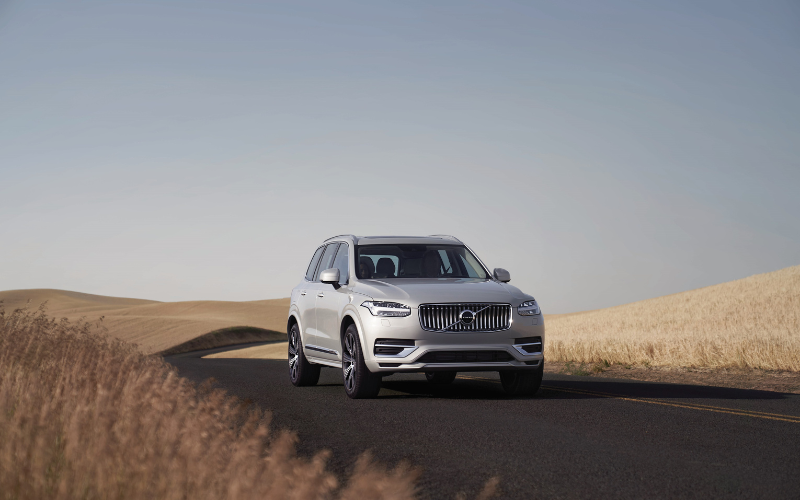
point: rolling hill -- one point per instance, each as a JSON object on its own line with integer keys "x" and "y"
{"x": 748, "y": 323}
{"x": 157, "y": 326}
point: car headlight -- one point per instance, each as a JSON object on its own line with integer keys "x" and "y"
{"x": 529, "y": 308}
{"x": 386, "y": 309}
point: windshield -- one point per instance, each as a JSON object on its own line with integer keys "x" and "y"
{"x": 417, "y": 261}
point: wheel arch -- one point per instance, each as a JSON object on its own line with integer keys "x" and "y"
{"x": 350, "y": 318}
{"x": 294, "y": 320}
{"x": 347, "y": 320}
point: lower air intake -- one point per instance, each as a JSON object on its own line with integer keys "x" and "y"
{"x": 392, "y": 347}
{"x": 465, "y": 357}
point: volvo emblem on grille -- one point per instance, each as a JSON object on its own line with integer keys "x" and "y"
{"x": 466, "y": 316}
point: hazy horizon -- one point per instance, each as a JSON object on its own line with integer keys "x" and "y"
{"x": 602, "y": 153}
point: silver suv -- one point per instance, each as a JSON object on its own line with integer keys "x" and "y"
{"x": 377, "y": 305}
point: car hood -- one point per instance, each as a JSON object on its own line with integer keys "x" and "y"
{"x": 414, "y": 292}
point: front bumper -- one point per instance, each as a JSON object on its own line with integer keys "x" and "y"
{"x": 462, "y": 351}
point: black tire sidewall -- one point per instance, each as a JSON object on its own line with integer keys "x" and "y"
{"x": 307, "y": 374}
{"x": 367, "y": 384}
{"x": 294, "y": 331}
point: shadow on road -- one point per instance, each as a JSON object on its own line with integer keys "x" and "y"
{"x": 557, "y": 389}
{"x": 486, "y": 385}
{"x": 460, "y": 389}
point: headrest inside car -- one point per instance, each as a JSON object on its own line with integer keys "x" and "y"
{"x": 385, "y": 268}
{"x": 367, "y": 268}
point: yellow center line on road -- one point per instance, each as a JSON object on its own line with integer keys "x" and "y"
{"x": 691, "y": 406}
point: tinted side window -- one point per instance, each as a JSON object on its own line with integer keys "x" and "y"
{"x": 327, "y": 259}
{"x": 341, "y": 263}
{"x": 313, "y": 265}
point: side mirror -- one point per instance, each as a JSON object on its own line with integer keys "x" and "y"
{"x": 329, "y": 276}
{"x": 501, "y": 274}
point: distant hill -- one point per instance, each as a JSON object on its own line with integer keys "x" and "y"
{"x": 154, "y": 326}
{"x": 748, "y": 323}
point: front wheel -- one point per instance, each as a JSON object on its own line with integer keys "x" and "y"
{"x": 522, "y": 382}
{"x": 359, "y": 382}
{"x": 301, "y": 372}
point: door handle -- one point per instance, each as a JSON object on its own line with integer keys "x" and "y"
{"x": 303, "y": 292}
{"x": 320, "y": 294}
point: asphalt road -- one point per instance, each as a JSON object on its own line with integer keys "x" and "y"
{"x": 579, "y": 437}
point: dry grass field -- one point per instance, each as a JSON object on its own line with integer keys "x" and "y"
{"x": 155, "y": 326}
{"x": 749, "y": 323}
{"x": 84, "y": 416}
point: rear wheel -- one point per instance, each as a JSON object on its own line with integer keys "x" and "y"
{"x": 441, "y": 378}
{"x": 359, "y": 382}
{"x": 301, "y": 372}
{"x": 522, "y": 382}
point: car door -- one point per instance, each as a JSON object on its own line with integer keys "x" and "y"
{"x": 331, "y": 300}
{"x": 315, "y": 288}
{"x": 306, "y": 301}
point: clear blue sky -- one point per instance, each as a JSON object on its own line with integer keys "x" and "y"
{"x": 603, "y": 152}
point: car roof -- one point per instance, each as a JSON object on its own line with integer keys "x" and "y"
{"x": 436, "y": 239}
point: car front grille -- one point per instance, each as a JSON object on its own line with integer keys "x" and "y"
{"x": 447, "y": 318}
{"x": 465, "y": 357}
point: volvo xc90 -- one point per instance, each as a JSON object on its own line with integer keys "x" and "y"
{"x": 377, "y": 305}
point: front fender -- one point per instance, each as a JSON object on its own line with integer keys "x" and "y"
{"x": 294, "y": 311}
{"x": 352, "y": 311}
{"x": 355, "y": 311}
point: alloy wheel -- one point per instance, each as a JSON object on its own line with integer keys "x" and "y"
{"x": 349, "y": 364}
{"x": 294, "y": 355}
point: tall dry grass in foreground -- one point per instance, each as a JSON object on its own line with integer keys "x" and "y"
{"x": 85, "y": 417}
{"x": 748, "y": 323}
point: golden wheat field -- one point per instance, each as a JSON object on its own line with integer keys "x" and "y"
{"x": 748, "y": 323}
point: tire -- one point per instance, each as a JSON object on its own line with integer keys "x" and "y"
{"x": 441, "y": 378}
{"x": 301, "y": 372}
{"x": 522, "y": 382}
{"x": 359, "y": 382}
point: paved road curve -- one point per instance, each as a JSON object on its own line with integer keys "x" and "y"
{"x": 577, "y": 438}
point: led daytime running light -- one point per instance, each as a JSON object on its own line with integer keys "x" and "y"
{"x": 387, "y": 309}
